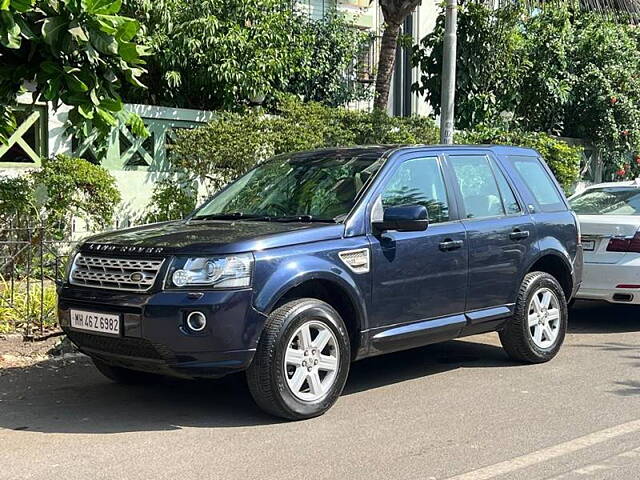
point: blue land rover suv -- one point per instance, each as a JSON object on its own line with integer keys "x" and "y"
{"x": 313, "y": 260}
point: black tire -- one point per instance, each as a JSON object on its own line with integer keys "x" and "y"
{"x": 267, "y": 375}
{"x": 517, "y": 338}
{"x": 124, "y": 375}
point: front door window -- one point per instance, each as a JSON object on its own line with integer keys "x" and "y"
{"x": 419, "y": 182}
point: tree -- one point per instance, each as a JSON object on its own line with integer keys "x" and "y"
{"x": 227, "y": 54}
{"x": 561, "y": 70}
{"x": 394, "y": 12}
{"x": 78, "y": 52}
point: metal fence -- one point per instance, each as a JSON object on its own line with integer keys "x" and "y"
{"x": 33, "y": 257}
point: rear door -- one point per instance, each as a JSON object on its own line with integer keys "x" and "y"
{"x": 556, "y": 226}
{"x": 499, "y": 232}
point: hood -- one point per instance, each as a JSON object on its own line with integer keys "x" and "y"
{"x": 211, "y": 237}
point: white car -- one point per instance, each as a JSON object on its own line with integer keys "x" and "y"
{"x": 609, "y": 215}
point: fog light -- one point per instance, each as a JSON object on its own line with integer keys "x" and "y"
{"x": 196, "y": 321}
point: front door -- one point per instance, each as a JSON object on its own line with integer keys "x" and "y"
{"x": 419, "y": 278}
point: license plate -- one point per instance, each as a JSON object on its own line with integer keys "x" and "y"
{"x": 589, "y": 245}
{"x": 106, "y": 323}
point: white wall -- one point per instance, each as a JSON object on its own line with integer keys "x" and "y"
{"x": 424, "y": 23}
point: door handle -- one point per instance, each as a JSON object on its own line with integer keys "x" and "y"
{"x": 519, "y": 234}
{"x": 448, "y": 245}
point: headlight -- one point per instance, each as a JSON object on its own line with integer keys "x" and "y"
{"x": 219, "y": 272}
{"x": 70, "y": 262}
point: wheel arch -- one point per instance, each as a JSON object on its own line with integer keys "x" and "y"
{"x": 334, "y": 291}
{"x": 557, "y": 266}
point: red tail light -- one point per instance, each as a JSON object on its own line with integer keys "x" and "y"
{"x": 625, "y": 244}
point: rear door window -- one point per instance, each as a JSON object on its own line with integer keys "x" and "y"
{"x": 480, "y": 193}
{"x": 511, "y": 205}
{"x": 540, "y": 184}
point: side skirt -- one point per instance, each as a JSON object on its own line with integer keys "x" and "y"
{"x": 417, "y": 334}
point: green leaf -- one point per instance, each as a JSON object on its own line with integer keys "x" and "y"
{"x": 103, "y": 7}
{"x": 51, "y": 29}
{"x": 75, "y": 84}
{"x": 107, "y": 23}
{"x": 94, "y": 97}
{"x": 104, "y": 43}
{"x": 86, "y": 111}
{"x": 127, "y": 29}
{"x": 132, "y": 74}
{"x": 52, "y": 90}
{"x": 9, "y": 31}
{"x": 130, "y": 53}
{"x": 137, "y": 126}
{"x": 79, "y": 34}
{"x": 106, "y": 117}
{"x": 25, "y": 29}
{"x": 4, "y": 4}
{"x": 51, "y": 67}
{"x": 112, "y": 104}
{"x": 92, "y": 55}
{"x": 22, "y": 6}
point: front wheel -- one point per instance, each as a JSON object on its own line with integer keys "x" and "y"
{"x": 536, "y": 331}
{"x": 302, "y": 361}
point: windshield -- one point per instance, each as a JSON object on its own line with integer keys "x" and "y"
{"x": 607, "y": 201}
{"x": 312, "y": 187}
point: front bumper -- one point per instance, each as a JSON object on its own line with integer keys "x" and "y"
{"x": 153, "y": 337}
{"x": 600, "y": 282}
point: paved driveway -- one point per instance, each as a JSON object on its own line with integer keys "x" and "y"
{"x": 459, "y": 409}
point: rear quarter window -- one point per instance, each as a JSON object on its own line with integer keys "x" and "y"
{"x": 539, "y": 182}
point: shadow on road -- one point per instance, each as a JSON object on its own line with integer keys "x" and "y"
{"x": 602, "y": 317}
{"x": 628, "y": 388}
{"x": 75, "y": 398}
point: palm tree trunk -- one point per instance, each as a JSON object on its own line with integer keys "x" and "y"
{"x": 388, "y": 46}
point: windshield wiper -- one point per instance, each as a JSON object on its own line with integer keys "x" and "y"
{"x": 230, "y": 216}
{"x": 263, "y": 218}
{"x": 302, "y": 219}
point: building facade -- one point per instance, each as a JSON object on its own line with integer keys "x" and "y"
{"x": 366, "y": 14}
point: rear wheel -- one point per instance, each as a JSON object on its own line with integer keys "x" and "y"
{"x": 302, "y": 360}
{"x": 124, "y": 375}
{"x": 537, "y": 329}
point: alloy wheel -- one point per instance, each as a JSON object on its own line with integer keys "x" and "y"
{"x": 311, "y": 361}
{"x": 544, "y": 317}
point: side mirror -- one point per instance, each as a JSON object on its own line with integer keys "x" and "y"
{"x": 405, "y": 218}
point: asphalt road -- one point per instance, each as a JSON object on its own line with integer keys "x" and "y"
{"x": 456, "y": 410}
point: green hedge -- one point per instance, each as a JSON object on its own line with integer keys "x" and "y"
{"x": 64, "y": 187}
{"x": 563, "y": 159}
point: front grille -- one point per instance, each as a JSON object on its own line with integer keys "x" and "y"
{"x": 129, "y": 347}
{"x": 134, "y": 275}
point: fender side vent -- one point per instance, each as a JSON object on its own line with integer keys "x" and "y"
{"x": 357, "y": 260}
